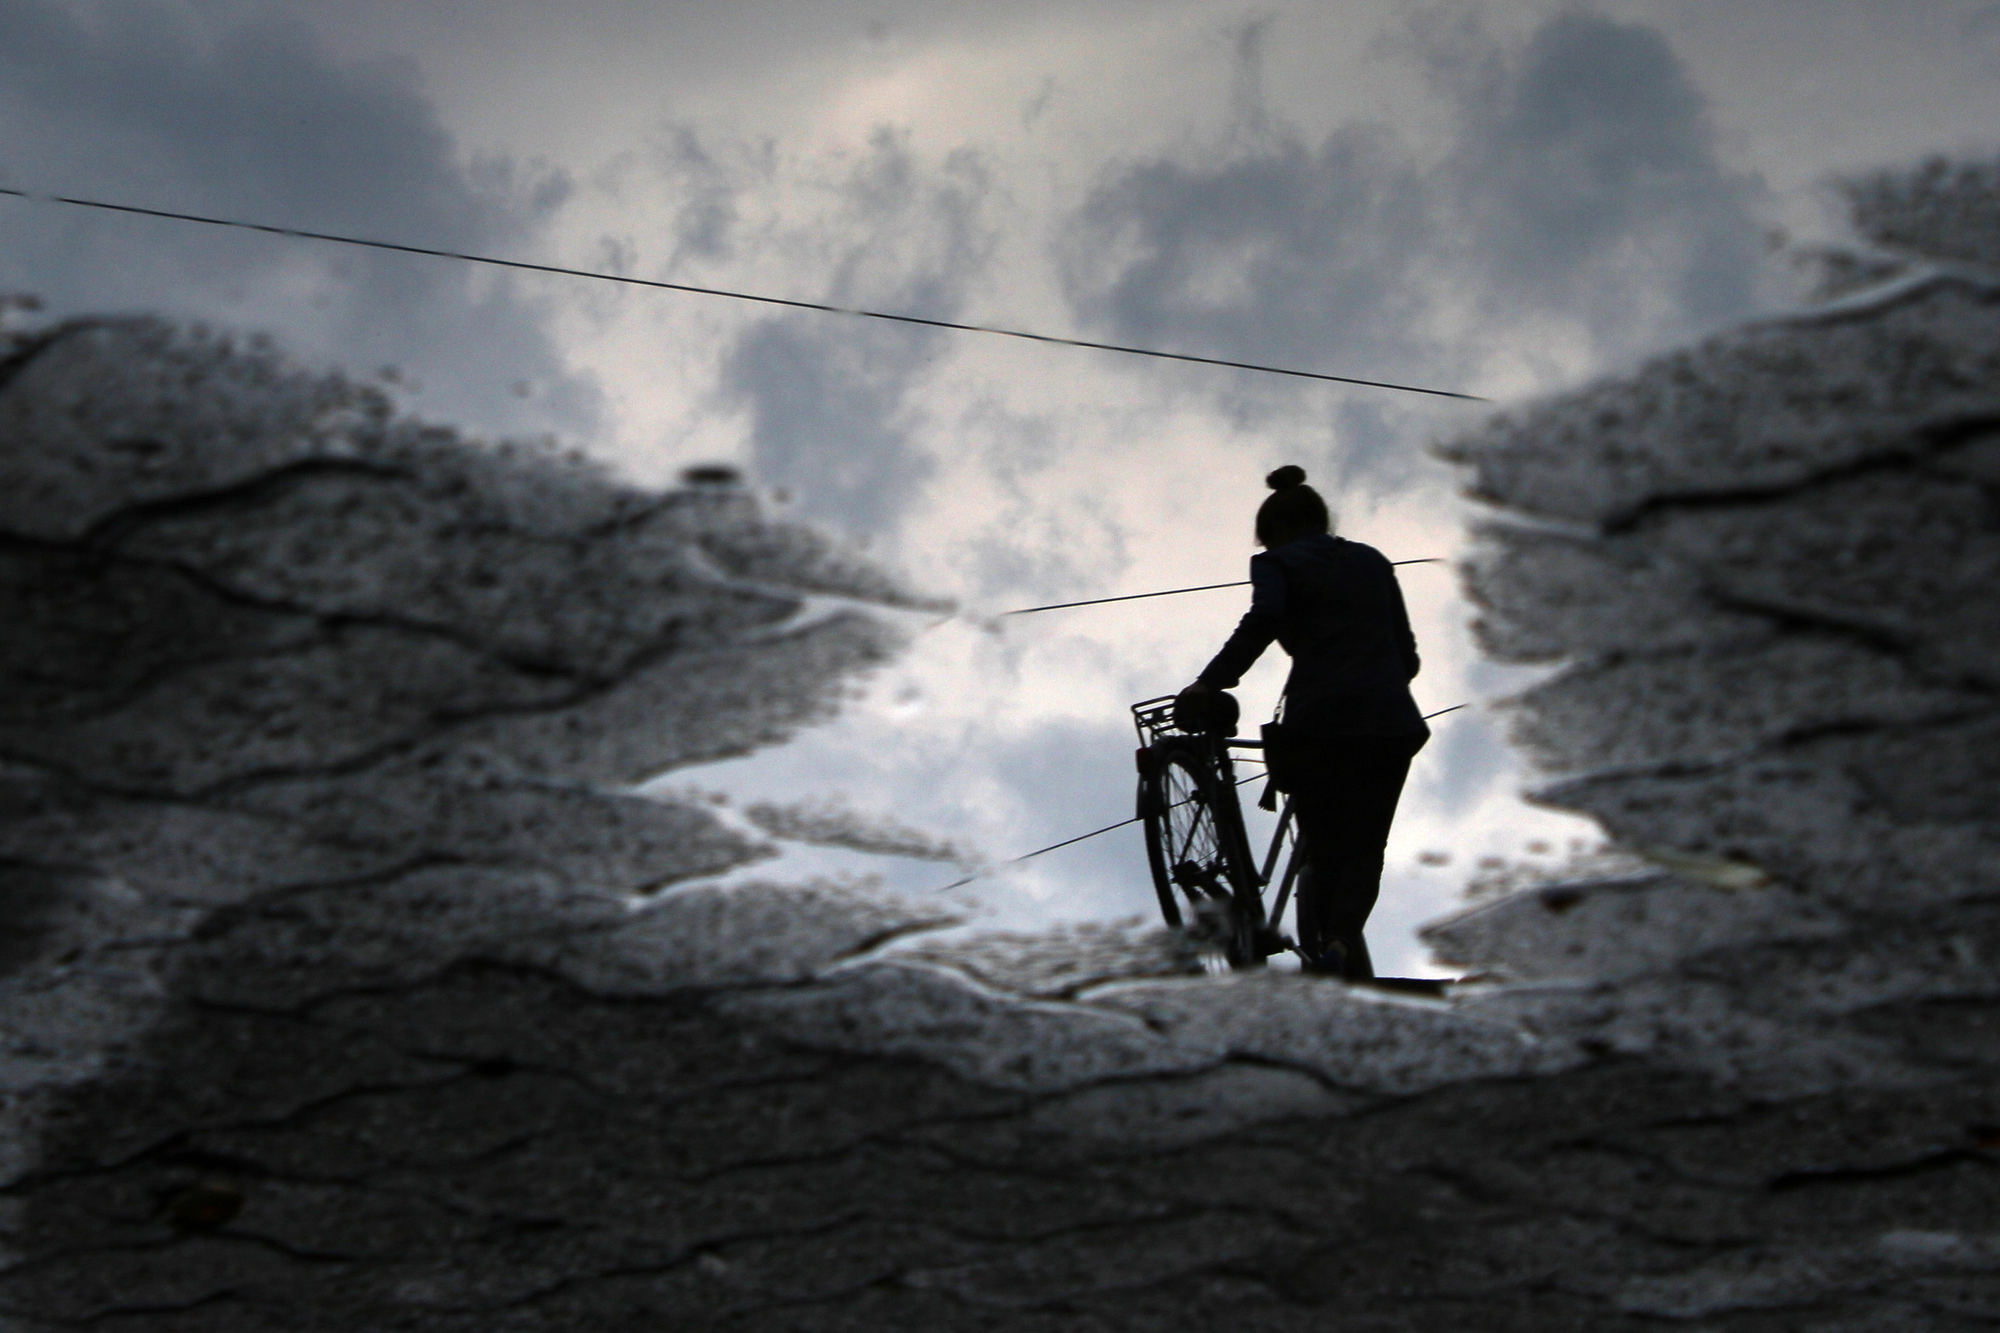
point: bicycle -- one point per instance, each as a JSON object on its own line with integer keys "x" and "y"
{"x": 1196, "y": 843}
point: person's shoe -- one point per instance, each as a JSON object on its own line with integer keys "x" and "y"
{"x": 1331, "y": 963}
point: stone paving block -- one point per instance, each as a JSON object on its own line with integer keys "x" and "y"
{"x": 1761, "y": 410}
{"x": 1605, "y": 931}
{"x": 749, "y": 933}
{"x": 1709, "y": 707}
{"x": 1894, "y": 555}
{"x": 172, "y": 853}
{"x": 1806, "y": 820}
{"x": 1548, "y": 595}
{"x": 472, "y": 809}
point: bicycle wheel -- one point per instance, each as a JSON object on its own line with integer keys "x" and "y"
{"x": 1196, "y": 846}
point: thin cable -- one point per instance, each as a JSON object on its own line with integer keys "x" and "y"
{"x": 1032, "y": 855}
{"x": 1170, "y": 592}
{"x": 822, "y": 307}
{"x": 1129, "y": 597}
{"x": 1108, "y": 828}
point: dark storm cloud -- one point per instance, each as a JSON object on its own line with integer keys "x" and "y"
{"x": 1587, "y": 182}
{"x": 826, "y": 396}
{"x": 1582, "y": 184}
{"x": 255, "y": 121}
{"x": 1262, "y": 256}
{"x": 827, "y": 418}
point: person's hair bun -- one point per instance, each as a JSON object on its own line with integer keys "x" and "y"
{"x": 1288, "y": 475}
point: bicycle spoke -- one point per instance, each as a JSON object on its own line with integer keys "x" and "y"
{"x": 1181, "y": 852}
{"x": 1193, "y": 840}
{"x": 1198, "y": 851}
{"x": 1193, "y": 829}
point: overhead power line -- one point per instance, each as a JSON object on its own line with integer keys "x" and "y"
{"x": 1110, "y": 828}
{"x": 1135, "y": 596}
{"x": 824, "y": 308}
{"x": 1128, "y": 597}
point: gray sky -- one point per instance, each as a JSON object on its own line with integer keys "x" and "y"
{"x": 1505, "y": 199}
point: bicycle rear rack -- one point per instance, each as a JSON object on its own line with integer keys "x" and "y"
{"x": 1154, "y": 719}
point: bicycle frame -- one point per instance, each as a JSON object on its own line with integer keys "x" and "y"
{"x": 1293, "y": 863}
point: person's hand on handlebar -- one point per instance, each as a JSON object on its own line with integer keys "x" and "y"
{"x": 1191, "y": 707}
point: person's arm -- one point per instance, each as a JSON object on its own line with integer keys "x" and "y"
{"x": 1255, "y": 631}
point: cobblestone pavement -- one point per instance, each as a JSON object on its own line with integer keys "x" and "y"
{"x": 347, "y": 988}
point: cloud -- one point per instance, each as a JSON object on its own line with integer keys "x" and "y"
{"x": 707, "y": 186}
{"x": 1579, "y": 191}
{"x": 1284, "y": 252}
{"x": 829, "y": 398}
{"x": 256, "y": 121}
{"x": 1587, "y": 184}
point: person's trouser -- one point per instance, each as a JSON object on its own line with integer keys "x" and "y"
{"x": 1344, "y": 804}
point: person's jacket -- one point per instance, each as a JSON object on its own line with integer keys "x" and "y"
{"x": 1335, "y": 607}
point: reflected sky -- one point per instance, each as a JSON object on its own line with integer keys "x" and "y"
{"x": 1504, "y": 200}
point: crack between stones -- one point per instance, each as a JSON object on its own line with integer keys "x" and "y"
{"x": 272, "y": 483}
{"x": 133, "y": 1311}
{"x": 1932, "y": 440}
{"x": 439, "y": 727}
{"x": 32, "y": 1181}
{"x": 1915, "y": 1168}
{"x": 1772, "y": 750}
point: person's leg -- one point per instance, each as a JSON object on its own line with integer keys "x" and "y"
{"x": 1356, "y": 965}
{"x": 1314, "y": 803}
{"x": 1374, "y": 772}
{"x": 1344, "y": 810}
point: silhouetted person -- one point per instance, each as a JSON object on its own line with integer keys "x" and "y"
{"x": 1350, "y": 725}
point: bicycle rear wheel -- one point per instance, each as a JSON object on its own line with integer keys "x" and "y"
{"x": 1196, "y": 846}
